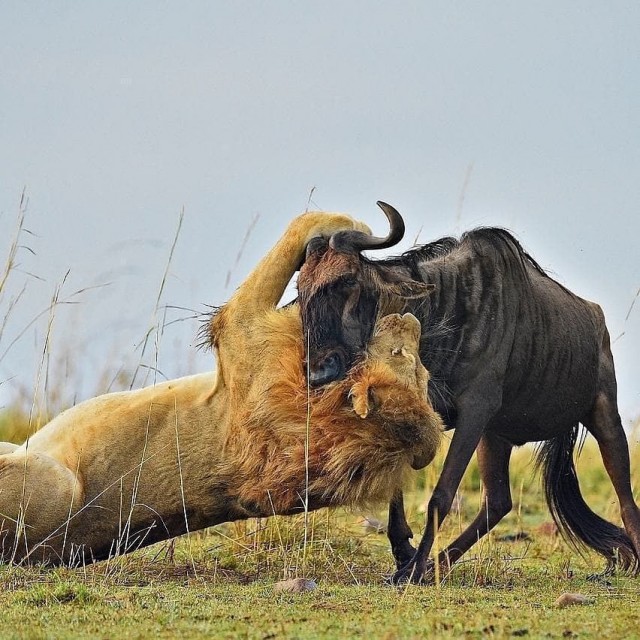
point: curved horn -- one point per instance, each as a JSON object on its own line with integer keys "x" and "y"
{"x": 349, "y": 241}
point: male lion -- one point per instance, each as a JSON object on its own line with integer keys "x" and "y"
{"x": 124, "y": 470}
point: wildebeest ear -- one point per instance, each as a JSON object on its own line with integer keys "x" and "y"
{"x": 401, "y": 285}
{"x": 411, "y": 289}
{"x": 316, "y": 247}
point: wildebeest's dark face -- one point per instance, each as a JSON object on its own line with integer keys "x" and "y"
{"x": 338, "y": 311}
{"x": 342, "y": 294}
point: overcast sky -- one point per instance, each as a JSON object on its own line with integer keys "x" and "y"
{"x": 116, "y": 116}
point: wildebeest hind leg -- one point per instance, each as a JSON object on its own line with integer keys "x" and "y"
{"x": 605, "y": 425}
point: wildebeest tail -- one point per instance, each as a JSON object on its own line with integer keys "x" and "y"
{"x": 577, "y": 523}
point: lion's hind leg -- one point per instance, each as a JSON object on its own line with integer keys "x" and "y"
{"x": 38, "y": 495}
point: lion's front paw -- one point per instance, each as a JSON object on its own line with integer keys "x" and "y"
{"x": 361, "y": 226}
{"x": 320, "y": 224}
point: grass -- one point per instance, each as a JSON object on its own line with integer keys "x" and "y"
{"x": 220, "y": 582}
{"x": 199, "y": 610}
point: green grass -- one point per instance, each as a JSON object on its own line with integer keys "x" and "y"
{"x": 220, "y": 583}
{"x": 193, "y": 608}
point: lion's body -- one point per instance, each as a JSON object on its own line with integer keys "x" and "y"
{"x": 117, "y": 455}
{"x": 350, "y": 460}
{"x": 127, "y": 469}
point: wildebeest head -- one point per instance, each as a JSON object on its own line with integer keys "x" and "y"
{"x": 342, "y": 294}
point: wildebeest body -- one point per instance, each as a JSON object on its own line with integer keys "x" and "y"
{"x": 496, "y": 321}
{"x": 514, "y": 357}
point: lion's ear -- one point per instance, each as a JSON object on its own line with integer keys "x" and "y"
{"x": 359, "y": 395}
{"x": 374, "y": 383}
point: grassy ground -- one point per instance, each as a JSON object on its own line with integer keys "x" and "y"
{"x": 220, "y": 583}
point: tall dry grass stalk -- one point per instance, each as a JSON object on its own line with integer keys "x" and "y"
{"x": 311, "y": 544}
{"x": 157, "y": 324}
{"x": 39, "y": 411}
{"x": 13, "y": 426}
{"x": 10, "y": 266}
{"x": 10, "y": 263}
{"x": 307, "y": 436}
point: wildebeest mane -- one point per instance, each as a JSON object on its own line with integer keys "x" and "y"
{"x": 502, "y": 241}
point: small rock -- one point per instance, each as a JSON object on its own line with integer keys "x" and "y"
{"x": 569, "y": 599}
{"x": 373, "y": 525}
{"x": 547, "y": 529}
{"x": 294, "y": 585}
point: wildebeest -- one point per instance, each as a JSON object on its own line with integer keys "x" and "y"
{"x": 123, "y": 470}
{"x": 514, "y": 357}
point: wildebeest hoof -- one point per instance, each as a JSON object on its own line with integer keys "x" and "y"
{"x": 402, "y": 554}
{"x": 601, "y": 578}
{"x": 414, "y": 572}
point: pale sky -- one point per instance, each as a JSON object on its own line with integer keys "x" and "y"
{"x": 117, "y": 115}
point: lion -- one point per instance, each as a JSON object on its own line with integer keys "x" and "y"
{"x": 127, "y": 469}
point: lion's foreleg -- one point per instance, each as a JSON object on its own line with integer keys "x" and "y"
{"x": 265, "y": 285}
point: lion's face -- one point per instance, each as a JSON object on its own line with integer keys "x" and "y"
{"x": 392, "y": 367}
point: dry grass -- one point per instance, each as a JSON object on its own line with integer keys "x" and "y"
{"x": 219, "y": 582}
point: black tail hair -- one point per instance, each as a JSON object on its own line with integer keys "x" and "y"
{"x": 580, "y": 526}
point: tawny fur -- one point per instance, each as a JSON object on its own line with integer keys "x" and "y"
{"x": 350, "y": 460}
{"x": 127, "y": 469}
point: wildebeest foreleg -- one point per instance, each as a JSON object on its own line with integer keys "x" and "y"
{"x": 605, "y": 425}
{"x": 494, "y": 455}
{"x": 399, "y": 532}
{"x": 464, "y": 442}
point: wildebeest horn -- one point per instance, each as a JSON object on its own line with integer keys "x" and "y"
{"x": 358, "y": 241}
